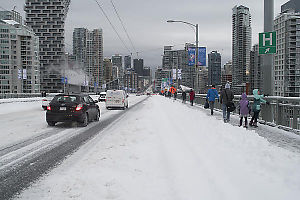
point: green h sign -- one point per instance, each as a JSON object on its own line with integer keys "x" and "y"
{"x": 267, "y": 43}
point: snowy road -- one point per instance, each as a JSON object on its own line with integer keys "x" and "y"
{"x": 35, "y": 150}
{"x": 166, "y": 150}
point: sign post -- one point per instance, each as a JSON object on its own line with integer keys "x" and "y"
{"x": 267, "y": 46}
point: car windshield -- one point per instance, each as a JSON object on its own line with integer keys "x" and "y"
{"x": 67, "y": 99}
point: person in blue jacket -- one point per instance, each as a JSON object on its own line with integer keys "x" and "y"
{"x": 212, "y": 95}
{"x": 258, "y": 99}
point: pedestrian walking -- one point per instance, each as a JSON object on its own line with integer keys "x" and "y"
{"x": 212, "y": 95}
{"x": 244, "y": 107}
{"x": 226, "y": 98}
{"x": 183, "y": 97}
{"x": 258, "y": 99}
{"x": 192, "y": 97}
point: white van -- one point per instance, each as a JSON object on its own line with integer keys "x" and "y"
{"x": 116, "y": 99}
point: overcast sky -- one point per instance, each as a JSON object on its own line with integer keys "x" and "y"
{"x": 145, "y": 21}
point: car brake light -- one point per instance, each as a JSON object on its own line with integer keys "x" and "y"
{"x": 48, "y": 107}
{"x": 123, "y": 100}
{"x": 44, "y": 100}
{"x": 78, "y": 107}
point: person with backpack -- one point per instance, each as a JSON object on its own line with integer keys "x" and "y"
{"x": 225, "y": 99}
{"x": 212, "y": 95}
{"x": 244, "y": 109}
{"x": 183, "y": 97}
{"x": 258, "y": 99}
{"x": 192, "y": 97}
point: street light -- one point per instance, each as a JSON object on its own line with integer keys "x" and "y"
{"x": 197, "y": 41}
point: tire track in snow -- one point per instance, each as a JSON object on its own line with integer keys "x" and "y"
{"x": 15, "y": 178}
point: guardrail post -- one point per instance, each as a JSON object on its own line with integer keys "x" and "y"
{"x": 295, "y": 117}
{"x": 279, "y": 113}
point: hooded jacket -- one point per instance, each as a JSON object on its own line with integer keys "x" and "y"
{"x": 244, "y": 105}
{"x": 258, "y": 99}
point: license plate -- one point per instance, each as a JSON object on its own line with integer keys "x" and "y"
{"x": 63, "y": 108}
{"x": 117, "y": 101}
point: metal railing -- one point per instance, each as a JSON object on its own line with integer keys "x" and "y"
{"x": 285, "y": 110}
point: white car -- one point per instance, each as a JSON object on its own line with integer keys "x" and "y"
{"x": 102, "y": 96}
{"x": 116, "y": 99}
{"x": 45, "y": 102}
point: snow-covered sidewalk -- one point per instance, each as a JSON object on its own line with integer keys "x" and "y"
{"x": 170, "y": 151}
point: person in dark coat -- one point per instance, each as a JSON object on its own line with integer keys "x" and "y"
{"x": 244, "y": 109}
{"x": 183, "y": 97}
{"x": 192, "y": 97}
{"x": 175, "y": 95}
{"x": 226, "y": 97}
{"x": 212, "y": 95}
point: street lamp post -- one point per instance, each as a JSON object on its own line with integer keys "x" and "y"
{"x": 197, "y": 45}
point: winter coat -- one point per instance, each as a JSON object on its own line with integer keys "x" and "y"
{"x": 244, "y": 105}
{"x": 192, "y": 95}
{"x": 212, "y": 94}
{"x": 183, "y": 95}
{"x": 258, "y": 99}
{"x": 225, "y": 99}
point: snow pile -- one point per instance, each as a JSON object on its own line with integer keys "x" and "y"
{"x": 167, "y": 150}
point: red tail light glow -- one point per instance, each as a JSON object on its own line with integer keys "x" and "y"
{"x": 48, "y": 107}
{"x": 78, "y": 107}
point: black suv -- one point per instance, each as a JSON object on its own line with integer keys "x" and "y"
{"x": 78, "y": 107}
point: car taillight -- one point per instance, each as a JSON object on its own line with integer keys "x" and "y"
{"x": 48, "y": 107}
{"x": 123, "y": 100}
{"x": 44, "y": 100}
{"x": 78, "y": 107}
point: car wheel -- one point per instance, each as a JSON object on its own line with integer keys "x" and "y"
{"x": 51, "y": 123}
{"x": 127, "y": 106}
{"x": 85, "y": 120}
{"x": 97, "y": 116}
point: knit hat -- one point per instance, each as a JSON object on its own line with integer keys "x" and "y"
{"x": 227, "y": 86}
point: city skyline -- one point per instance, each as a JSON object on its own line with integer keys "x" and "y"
{"x": 141, "y": 22}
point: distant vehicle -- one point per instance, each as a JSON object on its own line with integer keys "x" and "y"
{"x": 45, "y": 102}
{"x": 116, "y": 99}
{"x": 102, "y": 96}
{"x": 138, "y": 94}
{"x": 148, "y": 93}
{"x": 65, "y": 108}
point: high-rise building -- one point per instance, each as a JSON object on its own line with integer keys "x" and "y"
{"x": 241, "y": 47}
{"x": 256, "y": 72}
{"x": 203, "y": 80}
{"x": 138, "y": 66}
{"x": 11, "y": 15}
{"x": 292, "y": 5}
{"x": 227, "y": 73}
{"x": 178, "y": 59}
{"x": 107, "y": 72}
{"x": 127, "y": 62}
{"x": 161, "y": 74}
{"x": 214, "y": 68}
{"x": 117, "y": 61}
{"x": 47, "y": 19}
{"x": 88, "y": 49}
{"x": 287, "y": 59}
{"x": 19, "y": 57}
